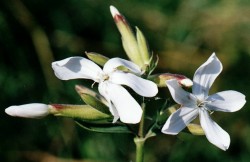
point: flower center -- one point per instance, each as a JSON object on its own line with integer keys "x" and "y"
{"x": 201, "y": 104}
{"x": 105, "y": 77}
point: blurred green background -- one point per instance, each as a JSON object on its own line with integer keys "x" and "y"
{"x": 183, "y": 33}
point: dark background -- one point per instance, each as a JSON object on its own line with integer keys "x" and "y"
{"x": 183, "y": 33}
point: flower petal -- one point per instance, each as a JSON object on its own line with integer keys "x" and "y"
{"x": 227, "y": 101}
{"x": 103, "y": 89}
{"x": 179, "y": 120}
{"x": 114, "y": 63}
{"x": 214, "y": 133}
{"x": 76, "y": 67}
{"x": 205, "y": 76}
{"x": 179, "y": 95}
{"x": 141, "y": 86}
{"x": 128, "y": 109}
{"x": 33, "y": 110}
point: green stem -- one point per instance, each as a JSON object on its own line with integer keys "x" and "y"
{"x": 141, "y": 126}
{"x": 139, "y": 142}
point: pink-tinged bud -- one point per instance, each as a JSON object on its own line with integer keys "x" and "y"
{"x": 186, "y": 82}
{"x": 33, "y": 110}
{"x": 160, "y": 79}
{"x": 129, "y": 41}
{"x": 117, "y": 15}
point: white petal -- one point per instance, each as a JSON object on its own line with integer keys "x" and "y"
{"x": 179, "y": 120}
{"x": 205, "y": 76}
{"x": 227, "y": 101}
{"x": 114, "y": 63}
{"x": 76, "y": 67}
{"x": 214, "y": 133}
{"x": 34, "y": 110}
{"x": 141, "y": 86}
{"x": 179, "y": 95}
{"x": 103, "y": 89}
{"x": 128, "y": 109}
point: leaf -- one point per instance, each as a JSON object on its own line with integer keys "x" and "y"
{"x": 93, "y": 99}
{"x": 104, "y": 127}
{"x": 97, "y": 58}
{"x": 152, "y": 65}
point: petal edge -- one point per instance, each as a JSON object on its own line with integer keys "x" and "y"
{"x": 214, "y": 133}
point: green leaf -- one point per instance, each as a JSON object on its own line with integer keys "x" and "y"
{"x": 152, "y": 65}
{"x": 97, "y": 58}
{"x": 93, "y": 99}
{"x": 104, "y": 127}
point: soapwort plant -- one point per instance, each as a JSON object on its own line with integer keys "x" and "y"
{"x": 115, "y": 108}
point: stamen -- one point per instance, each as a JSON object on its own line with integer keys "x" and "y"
{"x": 93, "y": 85}
{"x": 201, "y": 104}
{"x": 211, "y": 112}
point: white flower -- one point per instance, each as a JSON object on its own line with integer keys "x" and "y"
{"x": 33, "y": 110}
{"x": 110, "y": 79}
{"x": 200, "y": 103}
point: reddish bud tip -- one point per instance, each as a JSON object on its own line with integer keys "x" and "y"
{"x": 114, "y": 11}
{"x": 57, "y": 106}
{"x": 117, "y": 16}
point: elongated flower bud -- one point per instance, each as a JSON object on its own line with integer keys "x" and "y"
{"x": 160, "y": 79}
{"x": 93, "y": 99}
{"x": 143, "y": 46}
{"x": 83, "y": 112}
{"x": 33, "y": 110}
{"x": 129, "y": 41}
{"x": 97, "y": 58}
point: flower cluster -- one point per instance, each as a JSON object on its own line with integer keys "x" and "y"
{"x": 119, "y": 76}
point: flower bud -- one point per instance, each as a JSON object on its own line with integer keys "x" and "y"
{"x": 93, "y": 99}
{"x": 195, "y": 129}
{"x": 160, "y": 79}
{"x": 128, "y": 38}
{"x": 97, "y": 58}
{"x": 33, "y": 110}
{"x": 143, "y": 46}
{"x": 83, "y": 112}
